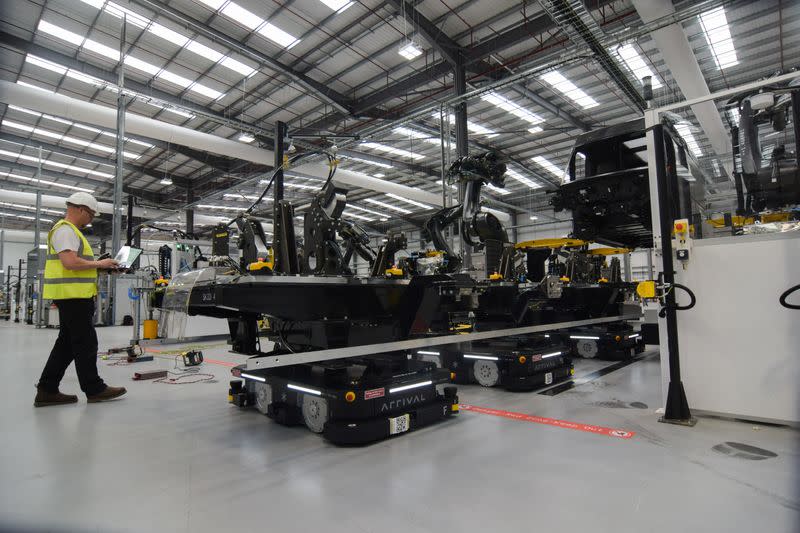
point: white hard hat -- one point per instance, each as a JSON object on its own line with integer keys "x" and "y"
{"x": 85, "y": 199}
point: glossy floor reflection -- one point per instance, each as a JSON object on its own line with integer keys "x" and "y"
{"x": 179, "y": 458}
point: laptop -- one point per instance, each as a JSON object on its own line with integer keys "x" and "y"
{"x": 127, "y": 256}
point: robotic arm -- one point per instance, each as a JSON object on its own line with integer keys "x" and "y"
{"x": 478, "y": 228}
{"x": 357, "y": 241}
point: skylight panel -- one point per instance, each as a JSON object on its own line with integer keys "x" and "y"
{"x": 277, "y": 35}
{"x": 32, "y": 86}
{"x": 45, "y": 64}
{"x": 169, "y": 35}
{"x": 633, "y": 60}
{"x": 172, "y": 36}
{"x": 242, "y": 16}
{"x": 213, "y": 4}
{"x": 548, "y": 166}
{"x": 408, "y": 201}
{"x": 337, "y": 5}
{"x": 25, "y": 217}
{"x": 346, "y": 213}
{"x": 204, "y": 51}
{"x": 237, "y": 66}
{"x": 497, "y": 190}
{"x": 27, "y": 207}
{"x": 101, "y": 49}
{"x": 131, "y": 17}
{"x": 513, "y": 174}
{"x": 388, "y": 206}
{"x": 171, "y": 77}
{"x": 178, "y": 112}
{"x": 718, "y": 36}
{"x": 78, "y": 40}
{"x": 471, "y": 126}
{"x": 45, "y": 182}
{"x": 80, "y": 126}
{"x": 410, "y": 50}
{"x": 392, "y": 150}
{"x": 414, "y": 134}
{"x": 206, "y": 91}
{"x": 54, "y": 67}
{"x": 368, "y": 162}
{"x": 144, "y": 66}
{"x": 569, "y": 89}
{"x": 61, "y": 33}
{"x": 56, "y": 164}
{"x": 685, "y": 132}
{"x": 370, "y": 211}
{"x": 85, "y": 78}
{"x": 507, "y": 105}
{"x": 234, "y": 196}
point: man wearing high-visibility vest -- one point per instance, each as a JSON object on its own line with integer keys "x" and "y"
{"x": 70, "y": 280}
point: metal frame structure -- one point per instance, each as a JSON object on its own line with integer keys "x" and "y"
{"x": 677, "y": 409}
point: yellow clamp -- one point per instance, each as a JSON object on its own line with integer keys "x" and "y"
{"x": 258, "y": 265}
{"x": 394, "y": 271}
{"x": 646, "y": 289}
{"x": 495, "y": 276}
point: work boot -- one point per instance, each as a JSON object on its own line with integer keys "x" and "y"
{"x": 45, "y": 398}
{"x": 109, "y": 393}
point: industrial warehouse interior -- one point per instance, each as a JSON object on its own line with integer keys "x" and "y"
{"x": 400, "y": 266}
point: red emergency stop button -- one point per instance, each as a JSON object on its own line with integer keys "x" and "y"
{"x": 679, "y": 226}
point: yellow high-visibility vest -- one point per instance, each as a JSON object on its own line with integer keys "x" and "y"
{"x": 61, "y": 283}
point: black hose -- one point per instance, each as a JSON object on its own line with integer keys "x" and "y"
{"x": 292, "y": 161}
{"x": 785, "y": 296}
{"x": 692, "y": 300}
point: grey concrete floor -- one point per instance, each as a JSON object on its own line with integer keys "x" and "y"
{"x": 179, "y": 458}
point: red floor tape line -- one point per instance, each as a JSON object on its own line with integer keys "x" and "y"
{"x": 600, "y": 430}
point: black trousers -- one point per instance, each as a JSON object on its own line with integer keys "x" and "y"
{"x": 77, "y": 340}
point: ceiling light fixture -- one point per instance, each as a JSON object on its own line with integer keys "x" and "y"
{"x": 409, "y": 50}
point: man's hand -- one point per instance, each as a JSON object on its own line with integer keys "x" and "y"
{"x": 107, "y": 264}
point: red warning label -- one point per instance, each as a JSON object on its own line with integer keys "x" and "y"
{"x": 374, "y": 393}
{"x": 600, "y": 430}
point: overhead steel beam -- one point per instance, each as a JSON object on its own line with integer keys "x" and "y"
{"x": 552, "y": 108}
{"x": 443, "y": 44}
{"x": 472, "y": 55}
{"x": 509, "y": 38}
{"x": 505, "y": 156}
{"x": 578, "y": 24}
{"x": 324, "y": 92}
{"x": 679, "y": 57}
